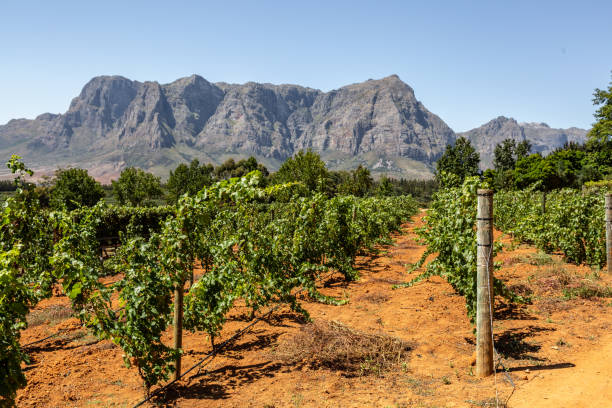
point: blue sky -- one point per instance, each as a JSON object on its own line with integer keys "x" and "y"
{"x": 467, "y": 61}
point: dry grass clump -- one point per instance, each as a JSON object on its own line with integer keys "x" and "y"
{"x": 50, "y": 315}
{"x": 338, "y": 347}
{"x": 572, "y": 285}
{"x": 521, "y": 289}
{"x": 553, "y": 278}
{"x": 535, "y": 259}
{"x": 550, "y": 305}
{"x": 374, "y": 298}
{"x": 587, "y": 289}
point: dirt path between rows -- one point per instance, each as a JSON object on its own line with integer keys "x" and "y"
{"x": 558, "y": 351}
{"x": 587, "y": 384}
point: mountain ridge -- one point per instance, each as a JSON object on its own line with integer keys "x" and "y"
{"x": 543, "y": 138}
{"x": 116, "y": 122}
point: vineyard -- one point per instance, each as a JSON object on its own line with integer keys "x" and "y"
{"x": 239, "y": 254}
{"x": 566, "y": 220}
{"x": 256, "y": 245}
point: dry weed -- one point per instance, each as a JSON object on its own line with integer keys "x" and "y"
{"x": 521, "y": 289}
{"x": 550, "y": 305}
{"x": 587, "y": 289}
{"x": 374, "y": 298}
{"x": 535, "y": 259}
{"x": 554, "y": 278}
{"x": 336, "y": 346}
{"x": 50, "y": 315}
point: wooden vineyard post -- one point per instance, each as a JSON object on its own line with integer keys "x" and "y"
{"x": 608, "y": 209}
{"x": 178, "y": 326}
{"x": 543, "y": 202}
{"x": 484, "y": 335}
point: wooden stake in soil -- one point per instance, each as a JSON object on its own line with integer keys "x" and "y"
{"x": 608, "y": 209}
{"x": 178, "y": 326}
{"x": 543, "y": 202}
{"x": 484, "y": 339}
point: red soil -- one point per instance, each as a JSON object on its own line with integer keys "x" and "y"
{"x": 558, "y": 352}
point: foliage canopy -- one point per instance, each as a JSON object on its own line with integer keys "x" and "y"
{"x": 188, "y": 179}
{"x": 602, "y": 129}
{"x": 460, "y": 159}
{"x": 305, "y": 167}
{"x": 74, "y": 188}
{"x": 136, "y": 187}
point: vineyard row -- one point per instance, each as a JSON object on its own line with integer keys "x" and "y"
{"x": 256, "y": 245}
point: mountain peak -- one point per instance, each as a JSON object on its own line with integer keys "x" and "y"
{"x": 542, "y": 137}
{"x": 503, "y": 119}
{"x": 392, "y": 77}
{"x": 391, "y": 82}
{"x": 388, "y": 78}
{"x": 535, "y": 125}
{"x": 188, "y": 80}
{"x": 104, "y": 80}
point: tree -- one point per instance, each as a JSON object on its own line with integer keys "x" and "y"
{"x": 306, "y": 167}
{"x": 136, "y": 187}
{"x": 508, "y": 152}
{"x": 385, "y": 187}
{"x": 523, "y": 149}
{"x": 231, "y": 168}
{"x": 73, "y": 188}
{"x": 602, "y": 129}
{"x": 562, "y": 168}
{"x": 506, "y": 155}
{"x": 336, "y": 180}
{"x": 7, "y": 185}
{"x": 598, "y": 162}
{"x": 461, "y": 159}
{"x": 358, "y": 183}
{"x": 188, "y": 179}
{"x": 489, "y": 176}
{"x": 568, "y": 165}
{"x": 571, "y": 165}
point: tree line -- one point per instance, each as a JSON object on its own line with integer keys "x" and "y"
{"x": 516, "y": 167}
{"x": 73, "y": 188}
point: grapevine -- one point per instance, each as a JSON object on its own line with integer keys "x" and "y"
{"x": 257, "y": 244}
{"x": 450, "y": 235}
{"x": 25, "y": 278}
{"x": 573, "y": 222}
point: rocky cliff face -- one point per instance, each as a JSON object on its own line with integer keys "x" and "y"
{"x": 116, "y": 122}
{"x": 376, "y": 116}
{"x": 114, "y": 117}
{"x": 543, "y": 138}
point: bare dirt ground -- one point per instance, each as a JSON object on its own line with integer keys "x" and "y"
{"x": 557, "y": 351}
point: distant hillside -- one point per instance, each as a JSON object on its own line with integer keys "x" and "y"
{"x": 116, "y": 122}
{"x": 543, "y": 138}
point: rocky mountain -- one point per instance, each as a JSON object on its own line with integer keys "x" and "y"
{"x": 543, "y": 138}
{"x": 116, "y": 122}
